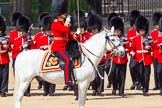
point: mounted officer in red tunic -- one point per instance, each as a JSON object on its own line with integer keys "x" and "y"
{"x": 60, "y": 28}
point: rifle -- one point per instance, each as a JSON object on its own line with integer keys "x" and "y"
{"x": 28, "y": 35}
{"x": 147, "y": 40}
{"x": 4, "y": 38}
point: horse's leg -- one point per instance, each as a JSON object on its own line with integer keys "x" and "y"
{"x": 82, "y": 90}
{"x": 19, "y": 89}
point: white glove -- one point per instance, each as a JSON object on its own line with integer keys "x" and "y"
{"x": 25, "y": 46}
{"x": 4, "y": 42}
{"x": 5, "y": 46}
{"x": 132, "y": 53}
{"x": 148, "y": 47}
{"x": 78, "y": 31}
{"x": 68, "y": 18}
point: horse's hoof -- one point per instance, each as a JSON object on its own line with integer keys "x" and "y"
{"x": 3, "y": 94}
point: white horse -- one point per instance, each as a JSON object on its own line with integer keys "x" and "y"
{"x": 28, "y": 63}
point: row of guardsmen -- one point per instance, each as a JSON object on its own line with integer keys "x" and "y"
{"x": 143, "y": 49}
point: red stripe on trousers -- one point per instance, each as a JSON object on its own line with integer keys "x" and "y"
{"x": 66, "y": 66}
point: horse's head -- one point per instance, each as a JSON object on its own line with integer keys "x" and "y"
{"x": 113, "y": 43}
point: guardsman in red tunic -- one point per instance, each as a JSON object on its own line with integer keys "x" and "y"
{"x": 94, "y": 26}
{"x": 79, "y": 33}
{"x": 39, "y": 34}
{"x": 60, "y": 28}
{"x": 119, "y": 64}
{"x": 158, "y": 44}
{"x": 154, "y": 34}
{"x": 22, "y": 42}
{"x": 45, "y": 44}
{"x": 14, "y": 34}
{"x": 108, "y": 56}
{"x": 134, "y": 14}
{"x": 141, "y": 51}
{"x": 37, "y": 39}
{"x": 4, "y": 59}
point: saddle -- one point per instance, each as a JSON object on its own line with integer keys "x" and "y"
{"x": 51, "y": 62}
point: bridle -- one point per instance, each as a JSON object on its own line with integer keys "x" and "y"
{"x": 107, "y": 41}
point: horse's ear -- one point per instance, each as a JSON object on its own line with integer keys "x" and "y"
{"x": 112, "y": 29}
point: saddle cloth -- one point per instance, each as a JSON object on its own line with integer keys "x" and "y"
{"x": 51, "y": 63}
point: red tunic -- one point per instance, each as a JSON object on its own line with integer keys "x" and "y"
{"x": 141, "y": 53}
{"x": 36, "y": 40}
{"x": 4, "y": 57}
{"x": 121, "y": 60}
{"x": 157, "y": 45}
{"x": 44, "y": 42}
{"x": 17, "y": 43}
{"x": 13, "y": 35}
{"x": 131, "y": 33}
{"x": 154, "y": 35}
{"x": 60, "y": 33}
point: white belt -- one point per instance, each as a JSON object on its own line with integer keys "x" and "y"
{"x": 142, "y": 51}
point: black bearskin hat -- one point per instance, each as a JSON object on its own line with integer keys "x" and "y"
{"x": 134, "y": 14}
{"x": 142, "y": 24}
{"x": 40, "y": 17}
{"x": 59, "y": 7}
{"x": 156, "y": 17}
{"x": 23, "y": 24}
{"x": 46, "y": 22}
{"x": 160, "y": 24}
{"x": 109, "y": 18}
{"x": 117, "y": 22}
{"x": 75, "y": 19}
{"x": 94, "y": 21}
{"x": 2, "y": 25}
{"x": 14, "y": 18}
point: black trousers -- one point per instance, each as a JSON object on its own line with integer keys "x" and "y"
{"x": 4, "y": 75}
{"x": 68, "y": 65}
{"x": 132, "y": 73}
{"x": 49, "y": 87}
{"x": 107, "y": 69}
{"x": 118, "y": 74}
{"x": 98, "y": 83}
{"x": 159, "y": 75}
{"x": 155, "y": 64}
{"x": 137, "y": 70}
